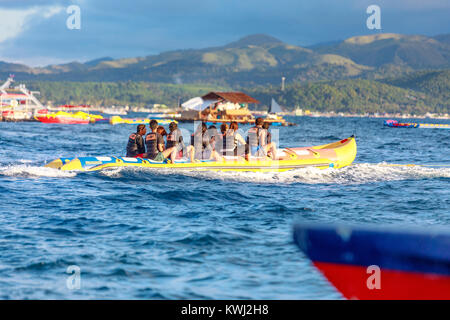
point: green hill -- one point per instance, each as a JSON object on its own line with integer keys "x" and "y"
{"x": 372, "y": 73}
{"x": 117, "y": 93}
{"x": 412, "y": 51}
{"x": 356, "y": 96}
{"x": 433, "y": 83}
{"x": 253, "y": 60}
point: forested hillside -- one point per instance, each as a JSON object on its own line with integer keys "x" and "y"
{"x": 356, "y": 96}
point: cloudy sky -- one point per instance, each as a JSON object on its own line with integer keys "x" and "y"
{"x": 34, "y": 32}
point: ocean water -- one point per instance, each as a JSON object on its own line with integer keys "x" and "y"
{"x": 159, "y": 234}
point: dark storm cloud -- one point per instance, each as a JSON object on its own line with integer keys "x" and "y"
{"x": 136, "y": 28}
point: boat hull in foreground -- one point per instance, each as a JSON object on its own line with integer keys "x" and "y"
{"x": 381, "y": 263}
{"x": 337, "y": 155}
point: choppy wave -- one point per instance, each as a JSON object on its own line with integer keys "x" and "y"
{"x": 26, "y": 171}
{"x": 355, "y": 174}
{"x": 141, "y": 233}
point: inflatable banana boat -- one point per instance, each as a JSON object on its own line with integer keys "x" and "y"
{"x": 335, "y": 155}
{"x": 68, "y": 118}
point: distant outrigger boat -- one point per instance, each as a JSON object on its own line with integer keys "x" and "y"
{"x": 395, "y": 124}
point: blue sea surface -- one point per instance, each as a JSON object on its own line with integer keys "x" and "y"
{"x": 140, "y": 233}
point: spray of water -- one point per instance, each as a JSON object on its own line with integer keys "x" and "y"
{"x": 356, "y": 174}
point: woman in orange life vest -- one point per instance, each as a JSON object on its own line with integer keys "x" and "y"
{"x": 155, "y": 144}
{"x": 136, "y": 146}
{"x": 233, "y": 143}
{"x": 175, "y": 140}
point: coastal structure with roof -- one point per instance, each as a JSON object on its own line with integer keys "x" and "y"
{"x": 219, "y": 107}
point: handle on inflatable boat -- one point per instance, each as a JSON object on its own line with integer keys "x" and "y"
{"x": 291, "y": 153}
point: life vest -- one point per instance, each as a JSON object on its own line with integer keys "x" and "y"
{"x": 151, "y": 142}
{"x": 172, "y": 140}
{"x": 229, "y": 144}
{"x": 132, "y": 146}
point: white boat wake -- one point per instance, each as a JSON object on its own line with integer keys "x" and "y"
{"x": 29, "y": 171}
{"x": 355, "y": 174}
{"x": 360, "y": 173}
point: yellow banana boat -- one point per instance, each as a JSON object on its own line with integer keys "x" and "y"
{"x": 335, "y": 155}
{"x": 119, "y": 120}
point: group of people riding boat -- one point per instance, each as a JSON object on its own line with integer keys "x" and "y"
{"x": 206, "y": 143}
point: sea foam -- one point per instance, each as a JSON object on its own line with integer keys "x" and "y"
{"x": 355, "y": 174}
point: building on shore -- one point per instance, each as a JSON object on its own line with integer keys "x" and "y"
{"x": 219, "y": 107}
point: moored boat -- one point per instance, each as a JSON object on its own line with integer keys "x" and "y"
{"x": 334, "y": 155}
{"x": 380, "y": 263}
{"x": 396, "y": 124}
{"x": 67, "y": 117}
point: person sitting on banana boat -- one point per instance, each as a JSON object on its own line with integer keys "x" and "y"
{"x": 154, "y": 142}
{"x": 175, "y": 140}
{"x": 223, "y": 128}
{"x": 162, "y": 131}
{"x": 219, "y": 137}
{"x": 200, "y": 140}
{"x": 257, "y": 141}
{"x": 233, "y": 143}
{"x": 271, "y": 146}
{"x": 136, "y": 145}
{"x": 215, "y": 138}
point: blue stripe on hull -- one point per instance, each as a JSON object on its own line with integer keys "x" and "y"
{"x": 424, "y": 252}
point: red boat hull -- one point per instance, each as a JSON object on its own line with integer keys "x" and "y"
{"x": 351, "y": 281}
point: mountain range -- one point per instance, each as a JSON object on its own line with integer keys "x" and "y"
{"x": 260, "y": 60}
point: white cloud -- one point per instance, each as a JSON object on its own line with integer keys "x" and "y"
{"x": 14, "y": 21}
{"x": 51, "y": 11}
